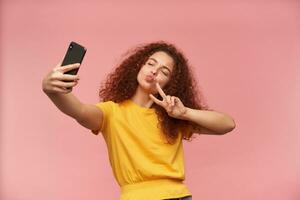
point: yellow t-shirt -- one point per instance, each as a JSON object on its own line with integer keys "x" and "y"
{"x": 145, "y": 166}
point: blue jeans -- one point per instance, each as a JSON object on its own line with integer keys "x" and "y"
{"x": 183, "y": 198}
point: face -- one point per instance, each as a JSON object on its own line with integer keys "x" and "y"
{"x": 158, "y": 68}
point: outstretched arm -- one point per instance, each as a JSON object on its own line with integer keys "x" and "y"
{"x": 209, "y": 122}
{"x": 55, "y": 87}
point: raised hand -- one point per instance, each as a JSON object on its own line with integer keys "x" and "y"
{"x": 171, "y": 104}
{"x": 58, "y": 82}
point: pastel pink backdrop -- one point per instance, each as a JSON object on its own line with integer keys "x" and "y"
{"x": 246, "y": 58}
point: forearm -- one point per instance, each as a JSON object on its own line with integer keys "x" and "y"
{"x": 215, "y": 121}
{"x": 68, "y": 104}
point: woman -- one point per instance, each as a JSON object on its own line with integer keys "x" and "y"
{"x": 148, "y": 105}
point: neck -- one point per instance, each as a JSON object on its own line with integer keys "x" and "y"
{"x": 141, "y": 97}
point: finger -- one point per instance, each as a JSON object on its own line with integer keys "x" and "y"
{"x": 168, "y": 99}
{"x": 177, "y": 100}
{"x": 173, "y": 101}
{"x": 66, "y": 68}
{"x": 67, "y": 77}
{"x": 160, "y": 91}
{"x": 62, "y": 90}
{"x": 64, "y": 84}
{"x": 157, "y": 101}
{"x": 170, "y": 105}
{"x": 57, "y": 67}
{"x": 59, "y": 64}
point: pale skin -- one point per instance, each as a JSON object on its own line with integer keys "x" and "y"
{"x": 160, "y": 67}
{"x": 208, "y": 122}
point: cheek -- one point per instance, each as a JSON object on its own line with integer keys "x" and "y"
{"x": 162, "y": 79}
{"x": 141, "y": 75}
{"x": 142, "y": 71}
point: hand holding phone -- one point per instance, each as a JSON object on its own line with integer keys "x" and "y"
{"x": 74, "y": 54}
{"x": 57, "y": 81}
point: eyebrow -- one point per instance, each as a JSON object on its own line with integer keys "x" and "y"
{"x": 157, "y": 62}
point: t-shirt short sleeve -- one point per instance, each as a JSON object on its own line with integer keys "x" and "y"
{"x": 107, "y": 109}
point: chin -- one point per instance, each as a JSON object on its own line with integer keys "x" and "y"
{"x": 146, "y": 87}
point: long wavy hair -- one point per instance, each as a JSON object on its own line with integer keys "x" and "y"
{"x": 121, "y": 84}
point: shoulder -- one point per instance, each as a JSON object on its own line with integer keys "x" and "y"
{"x": 110, "y": 105}
{"x": 106, "y": 103}
{"x": 106, "y": 106}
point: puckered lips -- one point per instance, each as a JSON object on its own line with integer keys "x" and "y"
{"x": 150, "y": 78}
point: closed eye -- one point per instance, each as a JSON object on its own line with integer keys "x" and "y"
{"x": 165, "y": 73}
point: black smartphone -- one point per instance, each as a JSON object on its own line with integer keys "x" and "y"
{"x": 75, "y": 54}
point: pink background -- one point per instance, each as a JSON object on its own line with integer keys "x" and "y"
{"x": 246, "y": 58}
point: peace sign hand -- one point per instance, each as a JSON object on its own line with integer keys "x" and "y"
{"x": 172, "y": 104}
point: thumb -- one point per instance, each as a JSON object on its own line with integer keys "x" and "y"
{"x": 59, "y": 64}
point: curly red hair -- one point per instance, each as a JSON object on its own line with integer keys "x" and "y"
{"x": 121, "y": 84}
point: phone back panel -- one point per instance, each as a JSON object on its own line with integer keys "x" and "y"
{"x": 75, "y": 54}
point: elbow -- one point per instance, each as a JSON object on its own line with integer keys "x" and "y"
{"x": 231, "y": 124}
{"x": 229, "y": 127}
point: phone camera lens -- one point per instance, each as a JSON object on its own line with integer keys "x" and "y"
{"x": 71, "y": 46}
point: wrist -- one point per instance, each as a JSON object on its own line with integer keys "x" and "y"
{"x": 185, "y": 113}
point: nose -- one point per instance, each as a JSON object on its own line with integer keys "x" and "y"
{"x": 154, "y": 71}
